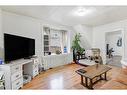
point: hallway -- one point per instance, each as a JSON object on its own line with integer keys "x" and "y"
{"x": 114, "y": 61}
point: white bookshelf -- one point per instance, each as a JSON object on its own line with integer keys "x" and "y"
{"x": 46, "y": 39}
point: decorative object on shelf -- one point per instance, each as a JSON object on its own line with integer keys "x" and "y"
{"x": 119, "y": 42}
{"x": 58, "y": 52}
{"x": 65, "y": 49}
{"x": 1, "y": 61}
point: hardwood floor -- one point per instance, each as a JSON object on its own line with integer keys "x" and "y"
{"x": 64, "y": 77}
{"x": 114, "y": 61}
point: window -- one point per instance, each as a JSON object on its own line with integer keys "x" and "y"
{"x": 54, "y": 40}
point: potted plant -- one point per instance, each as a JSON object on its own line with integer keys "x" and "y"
{"x": 76, "y": 46}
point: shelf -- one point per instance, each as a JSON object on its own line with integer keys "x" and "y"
{"x": 46, "y": 39}
{"x": 46, "y": 45}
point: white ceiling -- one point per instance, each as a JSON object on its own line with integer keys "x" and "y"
{"x": 64, "y": 14}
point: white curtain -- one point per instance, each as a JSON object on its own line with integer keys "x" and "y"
{"x": 58, "y": 39}
{"x": 64, "y": 39}
{"x": 55, "y": 36}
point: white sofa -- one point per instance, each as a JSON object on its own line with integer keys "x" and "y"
{"x": 86, "y": 62}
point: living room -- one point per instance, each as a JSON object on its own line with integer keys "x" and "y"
{"x": 52, "y": 63}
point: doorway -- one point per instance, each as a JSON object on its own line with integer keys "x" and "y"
{"x": 114, "y": 48}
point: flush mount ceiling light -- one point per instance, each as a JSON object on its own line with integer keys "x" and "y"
{"x": 81, "y": 11}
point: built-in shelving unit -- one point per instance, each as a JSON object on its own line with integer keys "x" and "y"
{"x": 46, "y": 40}
{"x": 54, "y": 41}
{"x": 46, "y": 43}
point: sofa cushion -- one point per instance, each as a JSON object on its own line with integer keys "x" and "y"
{"x": 112, "y": 84}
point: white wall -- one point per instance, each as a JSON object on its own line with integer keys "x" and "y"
{"x": 99, "y": 36}
{"x": 23, "y": 26}
{"x": 28, "y": 27}
{"x": 1, "y": 36}
{"x": 111, "y": 39}
{"x": 86, "y": 33}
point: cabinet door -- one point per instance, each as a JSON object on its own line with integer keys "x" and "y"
{"x": 64, "y": 59}
{"x": 69, "y": 58}
{"x": 16, "y": 75}
{"x": 46, "y": 62}
{"x": 16, "y": 68}
{"x": 18, "y": 83}
{"x": 56, "y": 60}
{"x": 53, "y": 61}
{"x": 35, "y": 72}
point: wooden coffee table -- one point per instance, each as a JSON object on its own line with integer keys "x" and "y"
{"x": 92, "y": 72}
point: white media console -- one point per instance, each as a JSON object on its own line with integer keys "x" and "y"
{"x": 15, "y": 70}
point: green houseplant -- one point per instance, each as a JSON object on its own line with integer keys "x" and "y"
{"x": 76, "y": 44}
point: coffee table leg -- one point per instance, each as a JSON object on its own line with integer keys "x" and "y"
{"x": 82, "y": 79}
{"x": 91, "y": 84}
{"x": 101, "y": 77}
{"x": 105, "y": 76}
{"x": 86, "y": 82}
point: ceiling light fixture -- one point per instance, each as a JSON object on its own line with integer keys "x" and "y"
{"x": 81, "y": 11}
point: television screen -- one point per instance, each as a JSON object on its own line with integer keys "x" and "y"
{"x": 16, "y": 47}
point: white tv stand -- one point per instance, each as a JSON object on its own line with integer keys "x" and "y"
{"x": 15, "y": 69}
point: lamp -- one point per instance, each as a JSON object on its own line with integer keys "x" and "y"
{"x": 81, "y": 11}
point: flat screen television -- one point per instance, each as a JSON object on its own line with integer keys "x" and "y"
{"x": 17, "y": 47}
